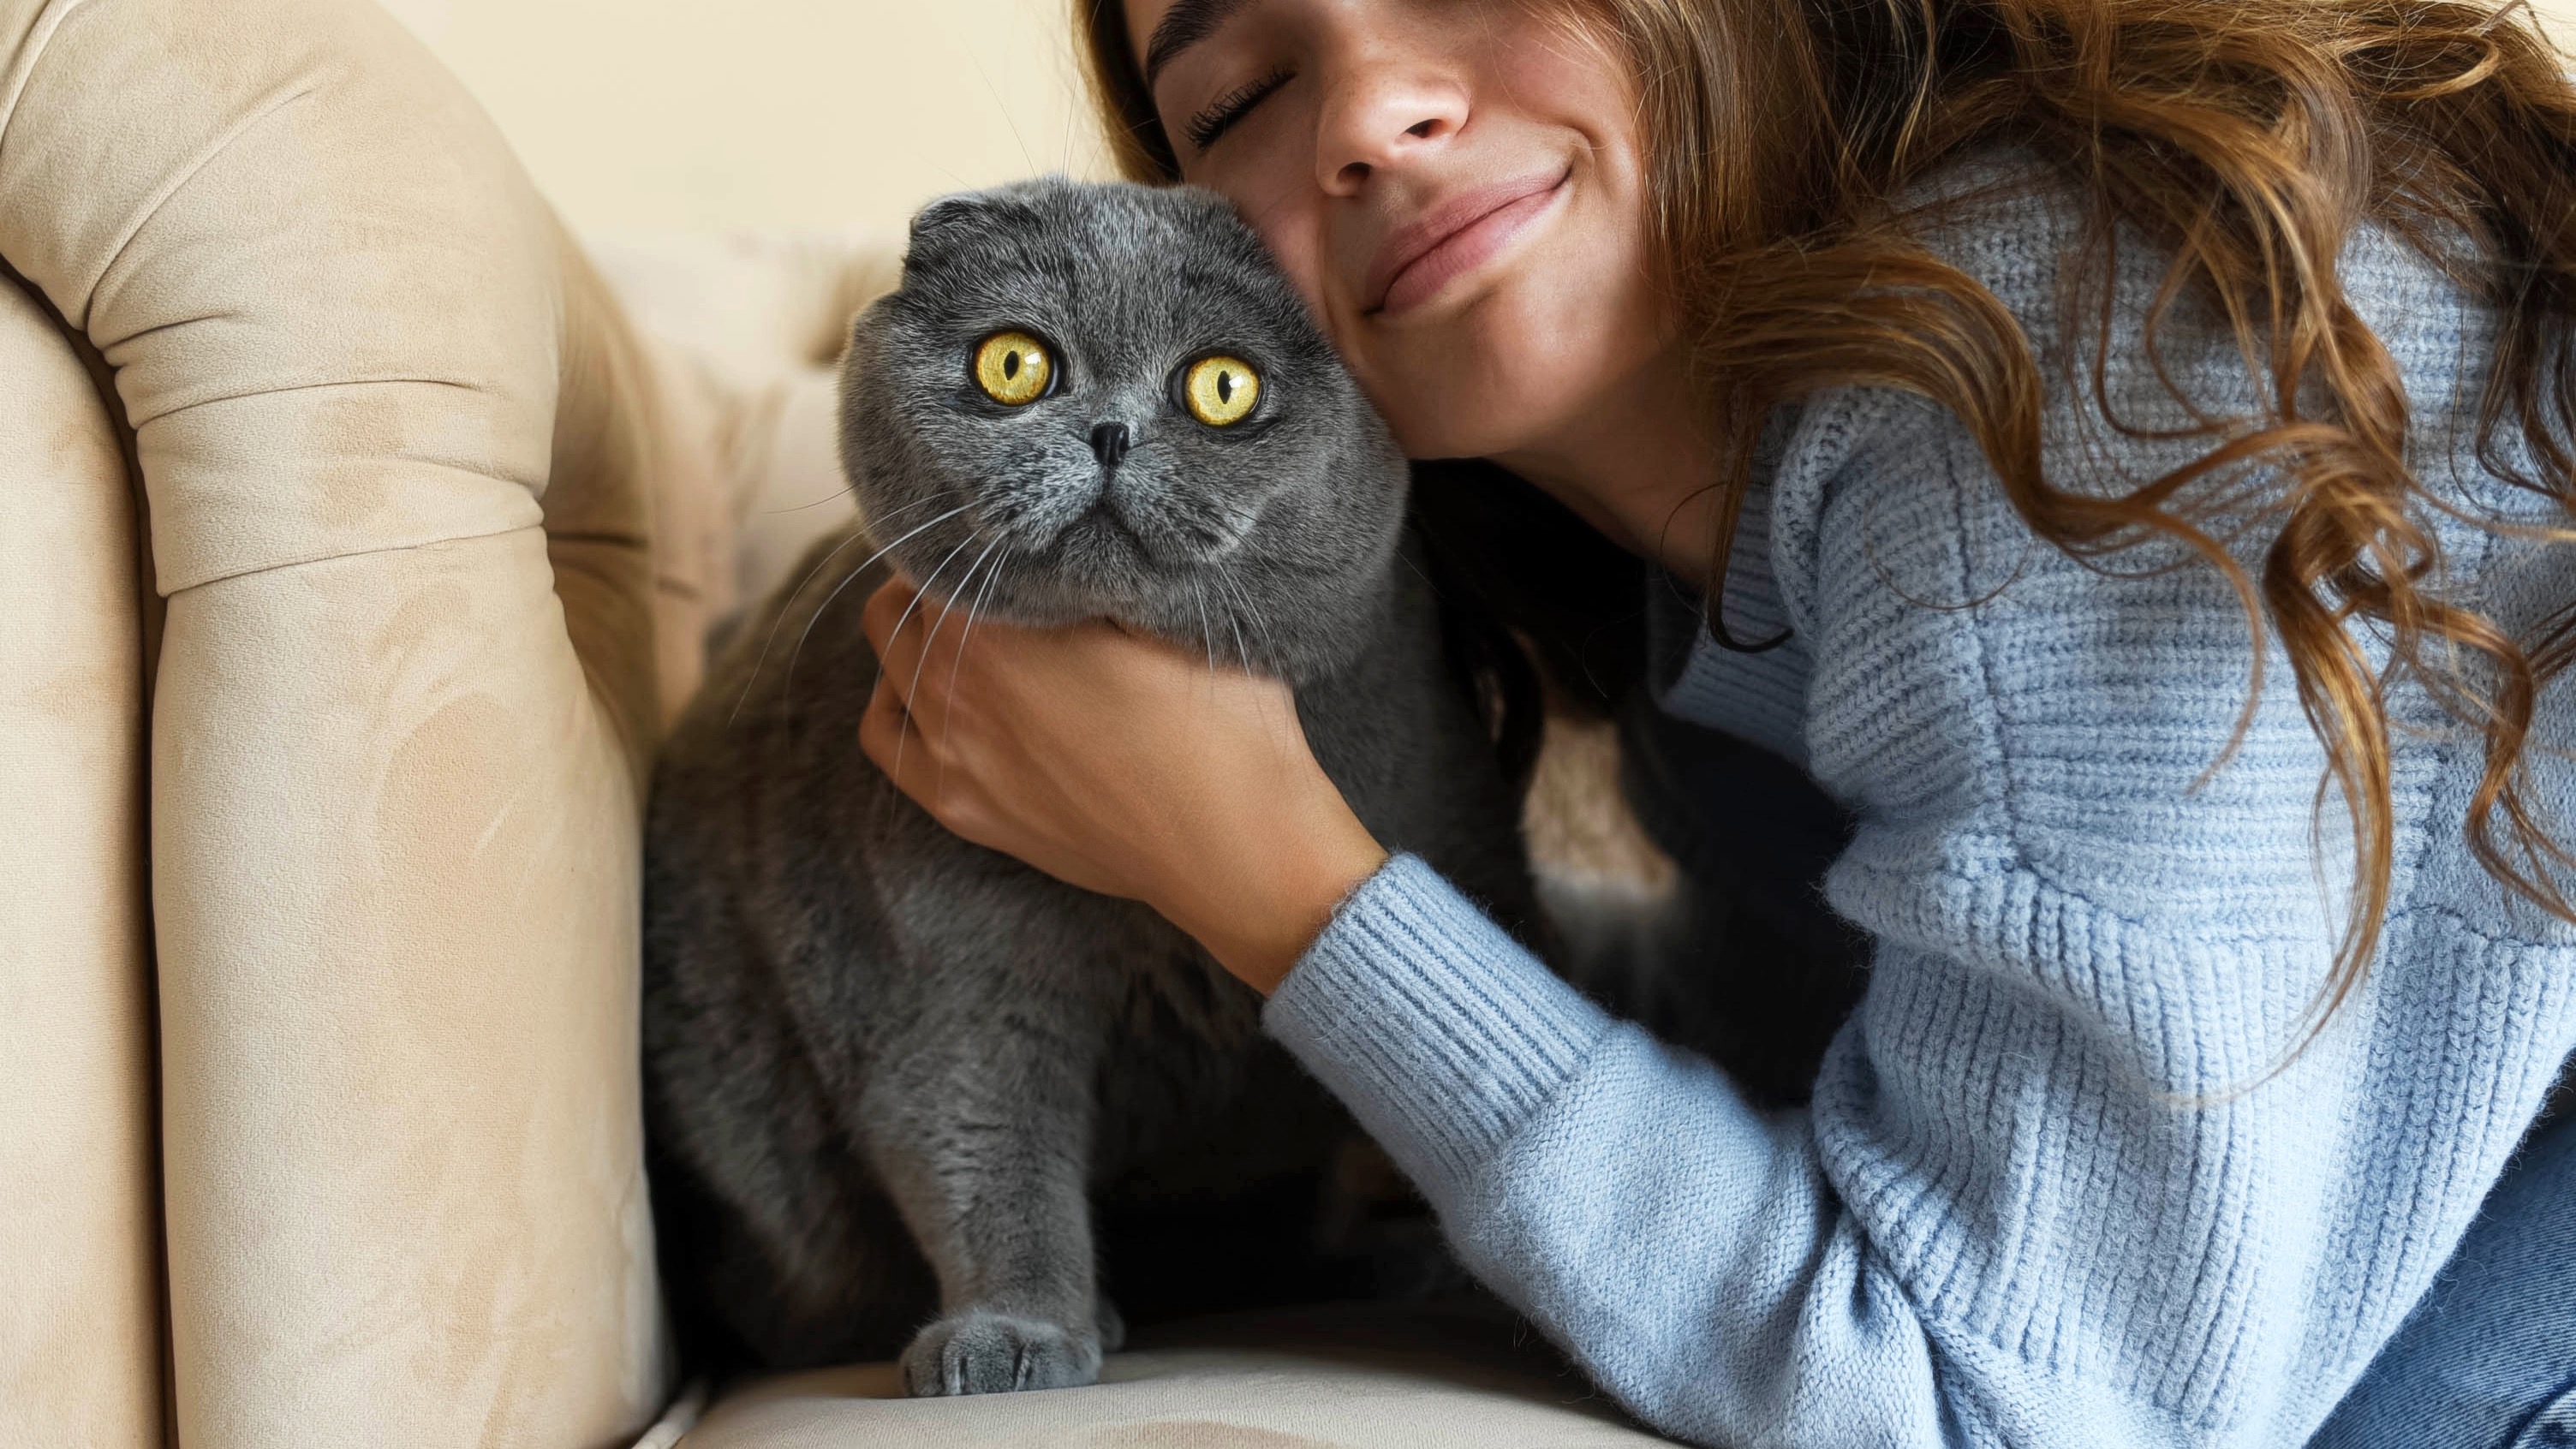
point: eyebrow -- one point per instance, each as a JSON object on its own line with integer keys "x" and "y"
{"x": 1186, "y": 24}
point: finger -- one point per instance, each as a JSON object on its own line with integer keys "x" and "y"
{"x": 918, "y": 653}
{"x": 890, "y": 737}
{"x": 892, "y": 600}
{"x": 887, "y": 737}
{"x": 914, "y": 674}
{"x": 939, "y": 626}
{"x": 898, "y": 649}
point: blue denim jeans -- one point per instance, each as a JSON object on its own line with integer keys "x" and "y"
{"x": 2488, "y": 1359}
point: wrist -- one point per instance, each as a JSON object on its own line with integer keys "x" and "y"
{"x": 1281, "y": 896}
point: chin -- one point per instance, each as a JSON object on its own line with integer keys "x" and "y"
{"x": 1502, "y": 372}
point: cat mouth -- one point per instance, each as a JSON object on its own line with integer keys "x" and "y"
{"x": 1141, "y": 555}
{"x": 1103, "y": 562}
{"x": 1162, "y": 542}
{"x": 1124, "y": 532}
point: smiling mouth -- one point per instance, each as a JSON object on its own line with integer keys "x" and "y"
{"x": 1419, "y": 262}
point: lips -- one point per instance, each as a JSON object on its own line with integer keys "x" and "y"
{"x": 1417, "y": 260}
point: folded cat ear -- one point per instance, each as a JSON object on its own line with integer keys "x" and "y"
{"x": 949, "y": 212}
{"x": 982, "y": 211}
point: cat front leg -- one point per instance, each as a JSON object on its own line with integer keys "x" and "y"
{"x": 985, "y": 1144}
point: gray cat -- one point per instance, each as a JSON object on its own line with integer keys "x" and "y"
{"x": 889, "y": 1072}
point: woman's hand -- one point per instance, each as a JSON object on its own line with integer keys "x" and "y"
{"x": 1119, "y": 764}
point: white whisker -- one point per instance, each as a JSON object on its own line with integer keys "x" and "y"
{"x": 948, "y": 607}
{"x": 1244, "y": 605}
{"x": 810, "y": 575}
{"x": 905, "y": 617}
{"x": 787, "y": 687}
{"x": 968, "y": 637}
{"x": 1207, "y": 631}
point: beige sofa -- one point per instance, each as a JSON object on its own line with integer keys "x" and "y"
{"x": 356, "y": 547}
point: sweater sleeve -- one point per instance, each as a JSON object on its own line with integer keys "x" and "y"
{"x": 2046, "y": 1192}
{"x": 1686, "y": 1249}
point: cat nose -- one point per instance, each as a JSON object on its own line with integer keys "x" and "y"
{"x": 1109, "y": 443}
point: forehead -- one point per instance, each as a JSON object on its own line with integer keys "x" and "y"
{"x": 1142, "y": 17}
{"x": 1159, "y": 31}
{"x": 1105, "y": 264}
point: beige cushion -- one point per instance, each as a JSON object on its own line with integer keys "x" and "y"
{"x": 754, "y": 325}
{"x": 402, "y": 471}
{"x": 1329, "y": 1378}
{"x": 80, "y": 1315}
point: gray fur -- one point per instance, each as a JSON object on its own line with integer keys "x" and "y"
{"x": 890, "y": 1071}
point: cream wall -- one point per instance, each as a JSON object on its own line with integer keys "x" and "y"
{"x": 781, "y": 114}
{"x": 767, "y": 114}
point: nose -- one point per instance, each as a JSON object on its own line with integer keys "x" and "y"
{"x": 1109, "y": 442}
{"x": 1386, "y": 104}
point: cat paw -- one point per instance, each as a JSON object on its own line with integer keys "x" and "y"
{"x": 976, "y": 1352}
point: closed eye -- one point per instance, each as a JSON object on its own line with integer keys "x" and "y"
{"x": 1220, "y": 114}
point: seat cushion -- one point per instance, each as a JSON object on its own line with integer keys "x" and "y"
{"x": 1354, "y": 1377}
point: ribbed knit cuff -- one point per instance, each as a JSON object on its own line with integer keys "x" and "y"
{"x": 1439, "y": 1031}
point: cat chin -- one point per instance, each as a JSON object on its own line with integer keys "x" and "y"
{"x": 1045, "y": 602}
{"x": 1169, "y": 609}
{"x": 1104, "y": 567}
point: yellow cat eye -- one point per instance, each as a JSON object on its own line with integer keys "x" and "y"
{"x": 1013, "y": 368}
{"x": 1220, "y": 391}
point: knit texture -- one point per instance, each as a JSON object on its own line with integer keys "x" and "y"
{"x": 2045, "y": 1194}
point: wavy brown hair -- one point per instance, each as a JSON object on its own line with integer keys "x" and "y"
{"x": 2247, "y": 139}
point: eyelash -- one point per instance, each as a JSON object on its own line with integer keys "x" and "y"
{"x": 1221, "y": 113}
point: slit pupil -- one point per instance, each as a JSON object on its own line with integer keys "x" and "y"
{"x": 1224, "y": 387}
{"x": 1011, "y": 364}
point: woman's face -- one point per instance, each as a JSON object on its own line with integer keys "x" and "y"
{"x": 1455, "y": 186}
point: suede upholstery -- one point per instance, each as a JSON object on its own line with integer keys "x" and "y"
{"x": 399, "y": 502}
{"x": 80, "y": 1317}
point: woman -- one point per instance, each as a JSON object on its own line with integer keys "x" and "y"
{"x": 2125, "y": 447}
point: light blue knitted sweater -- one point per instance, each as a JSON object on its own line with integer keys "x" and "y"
{"x": 2033, "y": 1202}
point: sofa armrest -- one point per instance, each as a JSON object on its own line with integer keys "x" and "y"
{"x": 405, "y": 696}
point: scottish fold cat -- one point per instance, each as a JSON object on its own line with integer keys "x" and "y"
{"x": 891, "y": 1074}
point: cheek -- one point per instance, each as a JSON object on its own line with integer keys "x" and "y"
{"x": 1301, "y": 257}
{"x": 1559, "y": 74}
{"x": 1533, "y": 359}
{"x": 1289, "y": 220}
{"x": 1266, "y": 169}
